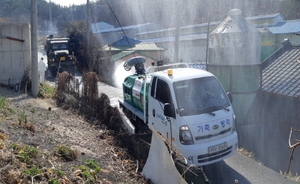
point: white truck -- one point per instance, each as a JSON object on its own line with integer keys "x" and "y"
{"x": 187, "y": 106}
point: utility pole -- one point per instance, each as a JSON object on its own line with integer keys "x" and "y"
{"x": 50, "y": 25}
{"x": 177, "y": 33}
{"x": 87, "y": 23}
{"x": 34, "y": 53}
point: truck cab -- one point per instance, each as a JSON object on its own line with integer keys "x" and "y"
{"x": 191, "y": 110}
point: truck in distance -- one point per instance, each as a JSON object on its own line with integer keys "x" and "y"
{"x": 60, "y": 55}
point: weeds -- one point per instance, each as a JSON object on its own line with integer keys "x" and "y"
{"x": 2, "y": 102}
{"x": 15, "y": 147}
{"x": 33, "y": 171}
{"x": 289, "y": 175}
{"x": 53, "y": 181}
{"x": 22, "y": 117}
{"x": 4, "y": 109}
{"x": 60, "y": 173}
{"x": 93, "y": 165}
{"x": 27, "y": 153}
{"x": 89, "y": 172}
{"x": 66, "y": 153}
{"x": 46, "y": 91}
{"x": 246, "y": 153}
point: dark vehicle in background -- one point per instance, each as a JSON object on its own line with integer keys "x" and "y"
{"x": 60, "y": 55}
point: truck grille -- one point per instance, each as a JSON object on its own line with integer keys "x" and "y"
{"x": 214, "y": 156}
{"x": 212, "y": 135}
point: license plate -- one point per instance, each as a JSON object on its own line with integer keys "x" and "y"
{"x": 62, "y": 58}
{"x": 216, "y": 148}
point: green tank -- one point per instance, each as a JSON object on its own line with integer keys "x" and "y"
{"x": 133, "y": 91}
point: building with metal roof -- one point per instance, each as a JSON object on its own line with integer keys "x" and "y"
{"x": 108, "y": 36}
{"x": 265, "y": 20}
{"x": 280, "y": 72}
{"x": 125, "y": 48}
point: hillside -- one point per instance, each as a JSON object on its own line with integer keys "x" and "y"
{"x": 43, "y": 143}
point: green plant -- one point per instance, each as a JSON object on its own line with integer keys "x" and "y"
{"x": 24, "y": 157}
{"x": 2, "y": 102}
{"x": 33, "y": 171}
{"x": 32, "y": 152}
{"x": 93, "y": 165}
{"x": 46, "y": 91}
{"x": 22, "y": 117}
{"x": 4, "y": 108}
{"x": 15, "y": 147}
{"x": 88, "y": 173}
{"x": 61, "y": 173}
{"x": 66, "y": 152}
{"x": 27, "y": 153}
{"x": 53, "y": 181}
{"x": 11, "y": 110}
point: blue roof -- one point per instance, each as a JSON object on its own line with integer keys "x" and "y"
{"x": 264, "y": 16}
{"x": 187, "y": 37}
{"x": 286, "y": 27}
{"x": 123, "y": 28}
{"x": 184, "y": 27}
{"x": 124, "y": 42}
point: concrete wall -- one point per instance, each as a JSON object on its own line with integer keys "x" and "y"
{"x": 15, "y": 56}
{"x": 266, "y": 131}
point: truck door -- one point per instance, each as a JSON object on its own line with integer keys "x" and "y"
{"x": 160, "y": 94}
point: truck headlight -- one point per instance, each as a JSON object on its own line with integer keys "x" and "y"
{"x": 185, "y": 135}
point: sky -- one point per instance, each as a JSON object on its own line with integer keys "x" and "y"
{"x": 68, "y": 2}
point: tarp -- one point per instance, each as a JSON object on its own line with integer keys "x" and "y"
{"x": 160, "y": 167}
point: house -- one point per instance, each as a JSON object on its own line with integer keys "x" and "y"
{"x": 126, "y": 48}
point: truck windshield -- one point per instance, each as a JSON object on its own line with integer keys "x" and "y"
{"x": 60, "y": 46}
{"x": 200, "y": 95}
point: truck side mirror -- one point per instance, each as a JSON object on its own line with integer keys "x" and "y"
{"x": 229, "y": 96}
{"x": 169, "y": 110}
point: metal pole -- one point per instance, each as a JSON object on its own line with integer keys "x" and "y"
{"x": 34, "y": 49}
{"x": 87, "y": 22}
{"x": 207, "y": 42}
{"x": 177, "y": 34}
{"x": 50, "y": 25}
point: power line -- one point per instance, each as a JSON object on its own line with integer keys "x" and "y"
{"x": 119, "y": 23}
